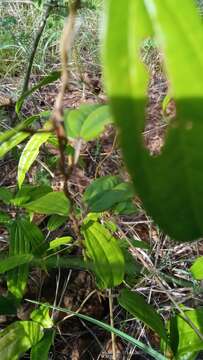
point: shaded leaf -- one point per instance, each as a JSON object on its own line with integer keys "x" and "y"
{"x": 52, "y": 203}
{"x": 5, "y": 195}
{"x": 55, "y": 221}
{"x": 136, "y": 305}
{"x": 177, "y": 170}
{"x": 7, "y": 306}
{"x": 4, "y": 218}
{"x": 41, "y": 349}
{"x": 30, "y": 193}
{"x": 48, "y": 79}
{"x": 13, "y": 261}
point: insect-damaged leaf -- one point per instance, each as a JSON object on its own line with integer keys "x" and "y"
{"x": 170, "y": 184}
{"x": 104, "y": 250}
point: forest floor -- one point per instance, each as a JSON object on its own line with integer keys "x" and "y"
{"x": 76, "y": 289}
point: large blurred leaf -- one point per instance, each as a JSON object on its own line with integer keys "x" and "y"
{"x": 170, "y": 185}
{"x": 136, "y": 305}
{"x": 104, "y": 250}
{"x": 29, "y": 154}
{"x": 197, "y": 268}
{"x": 52, "y": 203}
{"x": 19, "y": 337}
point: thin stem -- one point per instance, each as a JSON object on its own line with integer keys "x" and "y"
{"x": 38, "y": 35}
{"x": 112, "y": 324}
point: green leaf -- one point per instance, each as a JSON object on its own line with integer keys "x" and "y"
{"x": 5, "y": 195}
{"x": 30, "y": 193}
{"x": 14, "y": 261}
{"x": 60, "y": 241}
{"x": 105, "y": 192}
{"x": 41, "y": 349}
{"x": 125, "y": 208}
{"x": 197, "y": 268}
{"x": 95, "y": 123}
{"x": 189, "y": 342}
{"x": 48, "y": 79}
{"x": 42, "y": 317}
{"x": 19, "y": 245}
{"x": 74, "y": 120}
{"x": 12, "y": 142}
{"x": 7, "y": 306}
{"x": 29, "y": 154}
{"x": 177, "y": 170}
{"x": 52, "y": 203}
{"x": 136, "y": 305}
{"x": 6, "y": 135}
{"x": 104, "y": 250}
{"x": 146, "y": 349}
{"x": 31, "y": 234}
{"x": 19, "y": 337}
{"x": 55, "y": 221}
{"x": 4, "y": 218}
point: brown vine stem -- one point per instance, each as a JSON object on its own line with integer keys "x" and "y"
{"x": 57, "y": 115}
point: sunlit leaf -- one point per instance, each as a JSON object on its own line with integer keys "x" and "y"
{"x": 52, "y": 203}
{"x": 74, "y": 120}
{"x": 197, "y": 268}
{"x": 12, "y": 142}
{"x": 60, "y": 241}
{"x": 104, "y": 250}
{"x": 95, "y": 123}
{"x": 29, "y": 154}
{"x": 42, "y": 317}
{"x": 19, "y": 337}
